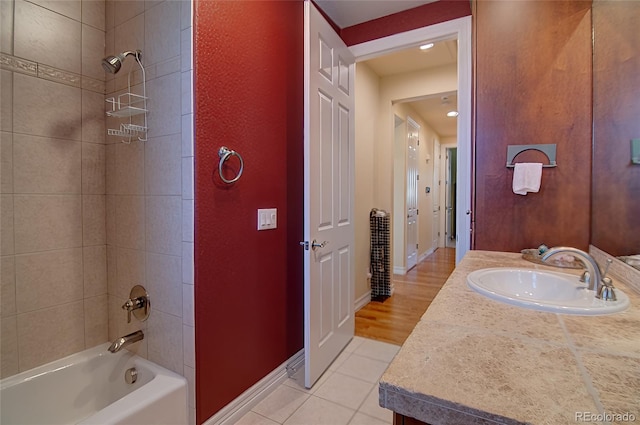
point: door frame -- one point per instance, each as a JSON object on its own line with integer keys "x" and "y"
{"x": 459, "y": 29}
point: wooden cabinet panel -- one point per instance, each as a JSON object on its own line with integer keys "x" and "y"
{"x": 616, "y": 109}
{"x": 533, "y": 86}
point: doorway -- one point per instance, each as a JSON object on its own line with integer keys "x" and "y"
{"x": 459, "y": 30}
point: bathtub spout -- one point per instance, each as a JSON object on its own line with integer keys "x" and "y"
{"x": 123, "y": 341}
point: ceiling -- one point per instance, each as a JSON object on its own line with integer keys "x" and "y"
{"x": 351, "y": 12}
{"x": 432, "y": 109}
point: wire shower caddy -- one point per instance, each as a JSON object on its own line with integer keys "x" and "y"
{"x": 128, "y": 105}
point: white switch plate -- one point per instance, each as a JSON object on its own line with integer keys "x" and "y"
{"x": 267, "y": 218}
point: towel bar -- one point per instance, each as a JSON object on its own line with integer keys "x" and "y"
{"x": 549, "y": 150}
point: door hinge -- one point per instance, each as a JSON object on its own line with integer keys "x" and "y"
{"x": 416, "y": 246}
{"x": 305, "y": 244}
{"x": 417, "y": 212}
{"x": 418, "y": 142}
{"x": 417, "y": 176}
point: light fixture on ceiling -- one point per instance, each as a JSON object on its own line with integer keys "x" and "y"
{"x": 452, "y": 113}
{"x": 426, "y": 46}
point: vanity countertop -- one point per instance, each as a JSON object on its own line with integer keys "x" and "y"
{"x": 472, "y": 360}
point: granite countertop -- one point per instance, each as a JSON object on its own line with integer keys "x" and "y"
{"x": 472, "y": 360}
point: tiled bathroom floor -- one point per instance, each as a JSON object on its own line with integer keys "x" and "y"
{"x": 347, "y": 393}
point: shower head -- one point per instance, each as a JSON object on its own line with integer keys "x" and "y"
{"x": 112, "y": 64}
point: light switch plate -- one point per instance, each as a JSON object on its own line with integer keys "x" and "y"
{"x": 267, "y": 218}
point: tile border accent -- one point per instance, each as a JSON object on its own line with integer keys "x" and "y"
{"x": 12, "y": 63}
{"x": 46, "y": 72}
{"x": 49, "y": 73}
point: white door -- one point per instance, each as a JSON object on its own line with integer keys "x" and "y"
{"x": 412, "y": 193}
{"x": 436, "y": 193}
{"x": 329, "y": 181}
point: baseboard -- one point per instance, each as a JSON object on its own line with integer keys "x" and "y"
{"x": 399, "y": 270}
{"x": 362, "y": 301}
{"x": 239, "y": 407}
{"x": 426, "y": 254}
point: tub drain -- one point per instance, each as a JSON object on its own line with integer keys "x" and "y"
{"x": 131, "y": 375}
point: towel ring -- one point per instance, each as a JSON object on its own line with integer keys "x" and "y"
{"x": 225, "y": 153}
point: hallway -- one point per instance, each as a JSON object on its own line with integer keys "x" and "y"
{"x": 393, "y": 320}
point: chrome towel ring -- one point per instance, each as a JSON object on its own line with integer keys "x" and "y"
{"x": 225, "y": 153}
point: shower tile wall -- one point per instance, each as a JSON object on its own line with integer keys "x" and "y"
{"x": 149, "y": 208}
{"x": 84, "y": 216}
{"x": 53, "y": 251}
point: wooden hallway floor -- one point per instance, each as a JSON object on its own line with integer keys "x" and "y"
{"x": 393, "y": 319}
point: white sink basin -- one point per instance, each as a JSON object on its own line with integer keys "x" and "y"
{"x": 543, "y": 290}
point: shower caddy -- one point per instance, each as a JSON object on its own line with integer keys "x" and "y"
{"x": 128, "y": 105}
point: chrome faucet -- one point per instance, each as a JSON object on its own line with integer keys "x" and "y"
{"x": 593, "y": 276}
{"x": 123, "y": 341}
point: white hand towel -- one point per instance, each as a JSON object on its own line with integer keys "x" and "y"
{"x": 527, "y": 177}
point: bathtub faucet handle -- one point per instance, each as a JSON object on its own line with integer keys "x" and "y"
{"x": 133, "y": 304}
{"x": 139, "y": 300}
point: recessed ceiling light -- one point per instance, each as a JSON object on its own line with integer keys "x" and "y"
{"x": 452, "y": 113}
{"x": 426, "y": 46}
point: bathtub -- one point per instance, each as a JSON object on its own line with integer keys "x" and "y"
{"x": 89, "y": 388}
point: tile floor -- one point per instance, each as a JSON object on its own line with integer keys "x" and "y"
{"x": 346, "y": 394}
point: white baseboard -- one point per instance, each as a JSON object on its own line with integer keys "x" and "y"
{"x": 399, "y": 270}
{"x": 362, "y": 301}
{"x": 426, "y": 254}
{"x": 233, "y": 411}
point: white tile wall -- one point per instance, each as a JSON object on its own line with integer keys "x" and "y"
{"x": 93, "y": 169}
{"x": 6, "y": 27}
{"x": 60, "y": 329}
{"x": 164, "y": 225}
{"x": 8, "y": 286}
{"x": 43, "y": 222}
{"x": 46, "y": 165}
{"x": 163, "y": 279}
{"x": 93, "y": 116}
{"x": 54, "y": 279}
{"x": 6, "y": 153}
{"x": 46, "y": 36}
{"x": 85, "y": 217}
{"x": 162, "y": 165}
{"x": 94, "y": 265}
{"x": 6, "y": 100}
{"x": 46, "y": 108}
{"x": 162, "y": 32}
{"x": 49, "y": 278}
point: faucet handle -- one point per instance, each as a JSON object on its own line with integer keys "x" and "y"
{"x": 139, "y": 300}
{"x": 606, "y": 292}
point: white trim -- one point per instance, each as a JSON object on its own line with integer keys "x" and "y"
{"x": 443, "y": 31}
{"x": 237, "y": 408}
{"x": 426, "y": 254}
{"x": 362, "y": 301}
{"x": 459, "y": 29}
{"x": 399, "y": 270}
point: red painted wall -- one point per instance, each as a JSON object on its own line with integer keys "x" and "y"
{"x": 248, "y": 287}
{"x": 422, "y": 16}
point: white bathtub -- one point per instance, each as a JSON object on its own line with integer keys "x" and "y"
{"x": 89, "y": 388}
